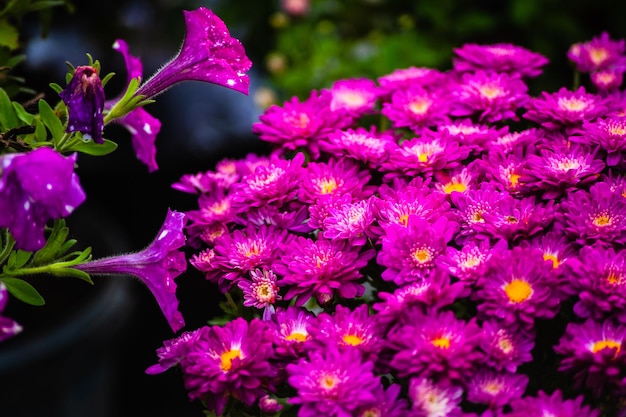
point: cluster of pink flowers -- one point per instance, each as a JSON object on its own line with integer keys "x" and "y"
{"x": 430, "y": 243}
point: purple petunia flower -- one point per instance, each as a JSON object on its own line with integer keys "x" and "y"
{"x": 599, "y": 53}
{"x": 84, "y": 98}
{"x": 595, "y": 352}
{"x": 551, "y": 405}
{"x": 8, "y": 326}
{"x": 142, "y": 126}
{"x": 36, "y": 187}
{"x": 156, "y": 266}
{"x": 332, "y": 382}
{"x": 504, "y": 349}
{"x": 519, "y": 288}
{"x": 321, "y": 268}
{"x": 489, "y": 95}
{"x": 565, "y": 108}
{"x": 436, "y": 345}
{"x": 208, "y": 54}
{"x": 499, "y": 57}
{"x": 495, "y": 389}
{"x": 608, "y": 133}
{"x": 232, "y": 360}
{"x": 173, "y": 352}
{"x": 598, "y": 278}
{"x": 431, "y": 398}
{"x": 409, "y": 253}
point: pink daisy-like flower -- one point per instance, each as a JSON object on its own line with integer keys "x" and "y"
{"x": 551, "y": 405}
{"x": 499, "y": 57}
{"x": 519, "y": 288}
{"x": 261, "y": 291}
{"x": 387, "y": 403}
{"x": 504, "y": 171}
{"x": 608, "y": 133}
{"x": 565, "y": 108}
{"x": 275, "y": 183}
{"x": 431, "y": 398}
{"x": 432, "y": 293}
{"x": 471, "y": 207}
{"x": 436, "y": 345}
{"x": 495, "y": 389}
{"x": 416, "y": 108}
{"x": 459, "y": 179}
{"x": 332, "y": 382}
{"x": 595, "y": 352}
{"x": 555, "y": 248}
{"x": 397, "y": 203}
{"x": 173, "y": 352}
{"x": 514, "y": 142}
{"x": 335, "y": 177}
{"x": 505, "y": 350}
{"x": 594, "y": 217}
{"x": 368, "y": 146}
{"x": 321, "y": 268}
{"x": 472, "y": 260}
{"x": 599, "y": 53}
{"x": 409, "y": 253}
{"x": 212, "y": 208}
{"x": 300, "y": 125}
{"x": 560, "y": 170}
{"x": 232, "y": 360}
{"x": 513, "y": 218}
{"x": 467, "y": 133}
{"x": 598, "y": 278}
{"x": 354, "y": 96}
{"x": 401, "y": 79}
{"x": 347, "y": 328}
{"x": 351, "y": 221}
{"x": 490, "y": 96}
{"x": 423, "y": 155}
{"x": 291, "y": 328}
{"x": 607, "y": 80}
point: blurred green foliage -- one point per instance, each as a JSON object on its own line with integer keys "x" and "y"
{"x": 368, "y": 38}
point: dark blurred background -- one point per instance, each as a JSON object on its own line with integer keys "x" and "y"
{"x": 92, "y": 362}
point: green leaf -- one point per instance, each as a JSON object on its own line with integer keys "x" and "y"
{"x": 41, "y": 135}
{"x": 18, "y": 259}
{"x": 9, "y": 36}
{"x": 71, "y": 273}
{"x": 8, "y": 118}
{"x": 23, "y": 291}
{"x": 50, "y": 120}
{"x": 7, "y": 242}
{"x": 53, "y": 245}
{"x": 95, "y": 149}
{"x": 22, "y": 114}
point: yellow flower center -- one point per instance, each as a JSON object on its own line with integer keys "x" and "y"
{"x": 471, "y": 261}
{"x": 296, "y": 337}
{"x": 454, "y": 186}
{"x": 490, "y": 91}
{"x": 572, "y": 104}
{"x": 518, "y": 290}
{"x": 327, "y": 185}
{"x": 441, "y": 342}
{"x": 617, "y": 130}
{"x": 602, "y": 220}
{"x": 422, "y": 255}
{"x": 598, "y": 55}
{"x": 227, "y": 358}
{"x": 404, "y": 220}
{"x": 300, "y": 120}
{"x": 492, "y": 387}
{"x": 551, "y": 257}
{"x": 352, "y": 339}
{"x": 328, "y": 381}
{"x": 614, "y": 278}
{"x": 350, "y": 98}
{"x": 606, "y": 344}
{"x": 420, "y": 106}
{"x": 514, "y": 178}
{"x": 505, "y": 345}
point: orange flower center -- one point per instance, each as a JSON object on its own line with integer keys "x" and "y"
{"x": 518, "y": 291}
{"x": 296, "y": 336}
{"x": 553, "y": 258}
{"x": 454, "y": 186}
{"x": 606, "y": 344}
{"x": 352, "y": 339}
{"x": 441, "y": 342}
{"x": 227, "y": 358}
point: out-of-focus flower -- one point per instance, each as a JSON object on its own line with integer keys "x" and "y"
{"x": 499, "y": 57}
{"x": 8, "y": 326}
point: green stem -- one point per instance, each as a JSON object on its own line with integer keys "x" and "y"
{"x": 232, "y": 303}
{"x": 44, "y": 269}
{"x": 59, "y": 146}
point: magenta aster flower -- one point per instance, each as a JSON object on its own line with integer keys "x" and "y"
{"x": 432, "y": 293}
{"x": 595, "y": 352}
{"x": 173, "y": 352}
{"x": 301, "y": 124}
{"x": 156, "y": 266}
{"x": 351, "y": 221}
{"x": 519, "y": 288}
{"x": 275, "y": 183}
{"x": 429, "y": 398}
{"x": 261, "y": 291}
{"x": 607, "y": 80}
{"x": 608, "y": 133}
{"x": 387, "y": 403}
{"x": 397, "y": 203}
{"x": 472, "y": 135}
{"x": 600, "y": 53}
{"x": 409, "y": 253}
{"x": 560, "y": 170}
{"x": 142, "y": 126}
{"x": 436, "y": 345}
{"x": 472, "y": 260}
{"x": 332, "y": 382}
{"x": 291, "y": 327}
{"x": 368, "y": 146}
{"x": 495, "y": 389}
{"x": 416, "y": 108}
{"x": 403, "y": 78}
{"x": 84, "y": 98}
{"x": 509, "y": 142}
{"x": 321, "y": 268}
{"x": 598, "y": 278}
{"x": 459, "y": 179}
{"x": 212, "y": 208}
{"x": 336, "y": 177}
{"x": 8, "y": 326}
{"x": 36, "y": 187}
{"x": 555, "y": 248}
{"x": 513, "y": 218}
{"x": 597, "y": 216}
{"x": 490, "y": 96}
{"x": 208, "y": 54}
{"x": 499, "y": 57}
{"x": 504, "y": 171}
{"x": 565, "y": 108}
{"x": 232, "y": 360}
{"x": 354, "y": 96}
{"x": 551, "y": 405}
{"x": 471, "y": 208}
{"x": 505, "y": 349}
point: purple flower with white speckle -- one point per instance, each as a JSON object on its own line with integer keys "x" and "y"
{"x": 84, "y": 98}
